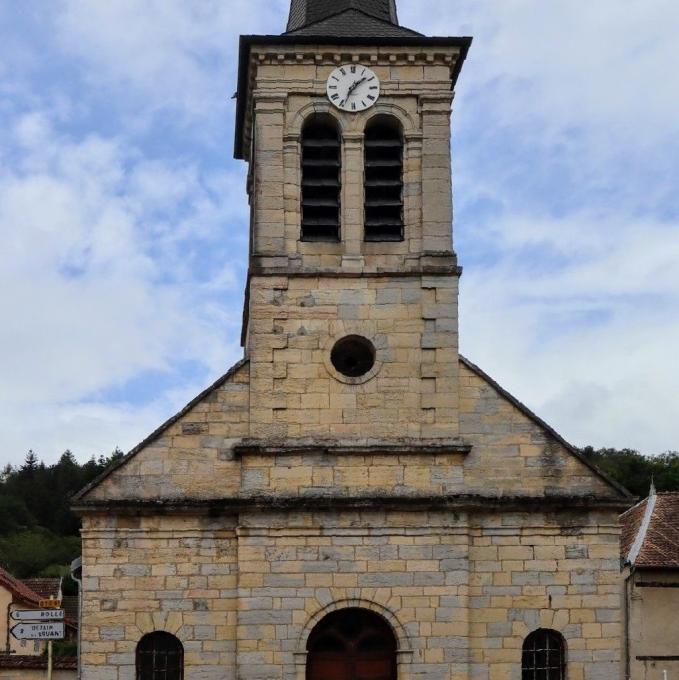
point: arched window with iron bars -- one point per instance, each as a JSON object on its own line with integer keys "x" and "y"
{"x": 160, "y": 656}
{"x": 543, "y": 656}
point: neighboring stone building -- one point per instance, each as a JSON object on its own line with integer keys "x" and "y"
{"x": 650, "y": 556}
{"x": 354, "y": 499}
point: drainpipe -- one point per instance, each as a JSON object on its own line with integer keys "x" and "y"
{"x": 628, "y": 598}
{"x": 76, "y": 567}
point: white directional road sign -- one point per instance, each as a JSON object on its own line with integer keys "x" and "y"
{"x": 39, "y": 631}
{"x": 37, "y": 614}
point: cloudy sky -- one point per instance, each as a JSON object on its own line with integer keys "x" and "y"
{"x": 124, "y": 220}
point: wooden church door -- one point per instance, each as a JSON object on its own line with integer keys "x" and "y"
{"x": 352, "y": 644}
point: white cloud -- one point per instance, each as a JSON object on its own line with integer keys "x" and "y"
{"x": 164, "y": 54}
{"x": 97, "y": 294}
{"x": 588, "y": 344}
{"x": 565, "y": 121}
{"x": 124, "y": 238}
{"x": 605, "y": 65}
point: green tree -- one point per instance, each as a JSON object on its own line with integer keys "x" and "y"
{"x": 635, "y": 471}
{"x": 39, "y": 535}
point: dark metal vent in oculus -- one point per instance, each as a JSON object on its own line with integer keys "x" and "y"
{"x": 353, "y": 356}
{"x": 321, "y": 166}
{"x": 383, "y": 180}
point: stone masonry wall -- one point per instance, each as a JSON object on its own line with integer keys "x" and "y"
{"x": 177, "y": 574}
{"x": 460, "y": 590}
{"x": 327, "y": 474}
{"x": 558, "y": 571}
{"x": 297, "y": 393}
{"x": 411, "y": 568}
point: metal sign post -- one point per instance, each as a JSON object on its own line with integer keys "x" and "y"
{"x": 40, "y": 624}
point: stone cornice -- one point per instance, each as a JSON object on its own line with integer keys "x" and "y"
{"x": 381, "y": 502}
{"x": 339, "y": 447}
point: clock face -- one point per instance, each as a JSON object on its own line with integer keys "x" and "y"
{"x": 353, "y": 88}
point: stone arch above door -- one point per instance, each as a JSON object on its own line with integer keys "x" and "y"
{"x": 403, "y": 650}
{"x": 352, "y": 644}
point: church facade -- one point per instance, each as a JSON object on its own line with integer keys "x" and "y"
{"x": 353, "y": 499}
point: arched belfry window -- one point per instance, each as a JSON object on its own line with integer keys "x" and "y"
{"x": 352, "y": 644}
{"x": 383, "y": 179}
{"x": 321, "y": 167}
{"x": 160, "y": 656}
{"x": 543, "y": 656}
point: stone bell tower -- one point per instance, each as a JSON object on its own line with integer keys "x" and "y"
{"x": 350, "y": 322}
{"x": 353, "y": 500}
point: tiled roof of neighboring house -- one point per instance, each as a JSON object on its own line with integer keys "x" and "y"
{"x": 45, "y": 587}
{"x": 37, "y": 662}
{"x": 650, "y": 532}
{"x": 18, "y": 589}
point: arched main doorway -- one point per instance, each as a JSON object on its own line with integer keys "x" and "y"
{"x": 351, "y": 644}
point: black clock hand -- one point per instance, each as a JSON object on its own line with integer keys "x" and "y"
{"x": 355, "y": 85}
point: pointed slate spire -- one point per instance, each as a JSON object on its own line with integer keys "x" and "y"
{"x": 345, "y": 18}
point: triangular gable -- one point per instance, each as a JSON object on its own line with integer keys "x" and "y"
{"x": 549, "y": 431}
{"x": 159, "y": 432}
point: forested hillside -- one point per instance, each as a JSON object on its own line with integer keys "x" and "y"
{"x": 39, "y": 533}
{"x": 635, "y": 471}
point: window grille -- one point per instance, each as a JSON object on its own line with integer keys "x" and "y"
{"x": 321, "y": 167}
{"x": 160, "y": 656}
{"x": 544, "y": 656}
{"x": 383, "y": 180}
